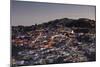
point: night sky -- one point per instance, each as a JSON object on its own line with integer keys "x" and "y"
{"x": 30, "y": 13}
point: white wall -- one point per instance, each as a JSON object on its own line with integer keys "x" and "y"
{"x": 90, "y": 2}
{"x": 5, "y": 33}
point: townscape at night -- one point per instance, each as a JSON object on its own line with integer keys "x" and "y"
{"x": 62, "y": 40}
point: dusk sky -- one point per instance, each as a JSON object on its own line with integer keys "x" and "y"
{"x": 30, "y": 13}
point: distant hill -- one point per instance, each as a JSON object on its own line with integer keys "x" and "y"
{"x": 82, "y": 22}
{"x": 57, "y": 23}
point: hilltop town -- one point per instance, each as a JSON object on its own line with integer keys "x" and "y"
{"x": 58, "y": 41}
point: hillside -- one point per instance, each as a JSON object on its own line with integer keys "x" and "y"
{"x": 57, "y": 41}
